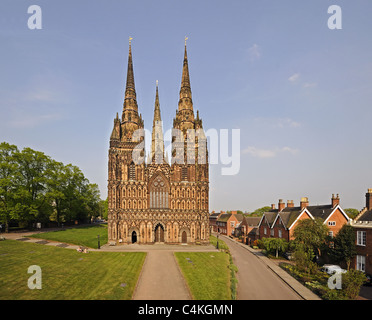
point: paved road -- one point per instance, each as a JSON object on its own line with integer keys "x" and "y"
{"x": 161, "y": 278}
{"x": 255, "y": 280}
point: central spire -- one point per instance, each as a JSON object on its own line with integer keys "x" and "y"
{"x": 157, "y": 143}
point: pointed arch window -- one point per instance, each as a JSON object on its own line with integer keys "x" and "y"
{"x": 159, "y": 194}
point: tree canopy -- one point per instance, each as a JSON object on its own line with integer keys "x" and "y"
{"x": 36, "y": 188}
{"x": 344, "y": 247}
{"x": 260, "y": 211}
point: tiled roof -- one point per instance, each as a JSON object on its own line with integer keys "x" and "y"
{"x": 214, "y": 215}
{"x": 224, "y": 217}
{"x": 270, "y": 217}
{"x": 366, "y": 216}
{"x": 322, "y": 211}
{"x": 252, "y": 221}
{"x": 289, "y": 216}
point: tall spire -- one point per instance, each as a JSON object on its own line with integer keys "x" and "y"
{"x": 157, "y": 116}
{"x": 130, "y": 90}
{"x": 157, "y": 144}
{"x": 185, "y": 91}
{"x": 130, "y": 107}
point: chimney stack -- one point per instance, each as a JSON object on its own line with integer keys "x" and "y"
{"x": 335, "y": 200}
{"x": 369, "y": 199}
{"x": 281, "y": 205}
{"x": 273, "y": 206}
{"x": 304, "y": 202}
{"x": 234, "y": 212}
{"x": 290, "y": 204}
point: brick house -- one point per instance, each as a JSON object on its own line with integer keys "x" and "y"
{"x": 213, "y": 220}
{"x": 227, "y": 222}
{"x": 281, "y": 222}
{"x": 249, "y": 229}
{"x": 264, "y": 226}
{"x": 363, "y": 230}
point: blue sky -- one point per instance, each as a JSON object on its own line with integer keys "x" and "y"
{"x": 299, "y": 92}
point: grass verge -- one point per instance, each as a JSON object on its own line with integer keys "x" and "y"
{"x": 67, "y": 274}
{"x": 206, "y": 274}
{"x": 83, "y": 236}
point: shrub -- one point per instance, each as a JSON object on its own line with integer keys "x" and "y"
{"x": 351, "y": 283}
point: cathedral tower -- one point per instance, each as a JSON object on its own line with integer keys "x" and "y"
{"x": 156, "y": 201}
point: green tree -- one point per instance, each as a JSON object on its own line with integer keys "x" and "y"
{"x": 34, "y": 174}
{"x": 103, "y": 208}
{"x": 57, "y": 190}
{"x": 260, "y": 211}
{"x": 344, "y": 247}
{"x": 275, "y": 244}
{"x": 351, "y": 212}
{"x": 36, "y": 188}
{"x": 8, "y": 183}
{"x": 311, "y": 234}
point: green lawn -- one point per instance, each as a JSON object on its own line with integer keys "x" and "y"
{"x": 206, "y": 273}
{"x": 221, "y": 244}
{"x": 84, "y": 236}
{"x": 66, "y": 273}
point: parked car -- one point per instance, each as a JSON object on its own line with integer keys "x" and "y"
{"x": 288, "y": 255}
{"x": 332, "y": 269}
{"x": 368, "y": 282}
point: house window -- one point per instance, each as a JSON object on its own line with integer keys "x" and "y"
{"x": 361, "y": 263}
{"x": 361, "y": 238}
{"x": 280, "y": 233}
{"x": 272, "y": 232}
{"x": 232, "y": 224}
{"x": 265, "y": 231}
{"x": 331, "y": 223}
{"x": 330, "y": 233}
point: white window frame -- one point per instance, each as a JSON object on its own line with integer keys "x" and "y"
{"x": 331, "y": 223}
{"x": 361, "y": 238}
{"x": 280, "y": 233}
{"x": 330, "y": 233}
{"x": 361, "y": 263}
{"x": 272, "y": 232}
{"x": 265, "y": 231}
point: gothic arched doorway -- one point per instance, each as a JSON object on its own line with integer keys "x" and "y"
{"x": 159, "y": 233}
{"x": 184, "y": 237}
{"x": 134, "y": 237}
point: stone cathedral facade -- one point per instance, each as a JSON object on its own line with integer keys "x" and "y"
{"x": 158, "y": 200}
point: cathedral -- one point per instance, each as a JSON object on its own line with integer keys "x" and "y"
{"x": 158, "y": 200}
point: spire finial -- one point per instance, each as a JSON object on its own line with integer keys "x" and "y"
{"x": 130, "y": 40}
{"x": 157, "y": 83}
{"x": 186, "y": 38}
